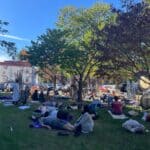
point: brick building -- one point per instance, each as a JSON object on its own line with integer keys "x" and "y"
{"x": 10, "y": 70}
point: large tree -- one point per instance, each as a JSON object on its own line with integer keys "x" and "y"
{"x": 71, "y": 46}
{"x": 82, "y": 26}
{"x": 7, "y": 46}
{"x": 45, "y": 52}
{"x": 127, "y": 46}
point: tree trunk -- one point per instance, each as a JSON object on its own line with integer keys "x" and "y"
{"x": 54, "y": 82}
{"x": 80, "y": 90}
{"x": 74, "y": 89}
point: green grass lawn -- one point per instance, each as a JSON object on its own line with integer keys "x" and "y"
{"x": 108, "y": 134}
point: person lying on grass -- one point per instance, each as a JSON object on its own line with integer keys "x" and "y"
{"x": 54, "y": 118}
{"x": 56, "y": 123}
{"x": 84, "y": 124}
{"x": 117, "y": 107}
{"x": 59, "y": 119}
{"x": 45, "y": 110}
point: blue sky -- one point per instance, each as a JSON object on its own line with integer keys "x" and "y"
{"x": 30, "y": 18}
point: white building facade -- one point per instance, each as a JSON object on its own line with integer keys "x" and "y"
{"x": 11, "y": 70}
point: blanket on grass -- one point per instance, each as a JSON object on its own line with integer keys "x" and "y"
{"x": 7, "y": 104}
{"x": 122, "y": 116}
{"x": 24, "y": 107}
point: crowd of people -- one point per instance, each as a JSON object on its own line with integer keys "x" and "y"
{"x": 52, "y": 115}
{"x": 25, "y": 92}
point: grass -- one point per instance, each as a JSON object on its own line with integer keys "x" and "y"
{"x": 108, "y": 134}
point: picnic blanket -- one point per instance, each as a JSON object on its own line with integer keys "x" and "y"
{"x": 123, "y": 116}
{"x": 24, "y": 107}
{"x": 34, "y": 102}
{"x": 133, "y": 113}
{"x": 7, "y": 104}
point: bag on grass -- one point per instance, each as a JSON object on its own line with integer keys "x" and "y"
{"x": 133, "y": 126}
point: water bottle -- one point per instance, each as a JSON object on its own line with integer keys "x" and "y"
{"x": 11, "y": 129}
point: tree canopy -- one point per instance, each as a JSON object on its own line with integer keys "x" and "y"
{"x": 127, "y": 46}
{"x": 79, "y": 58}
{"x": 47, "y": 48}
{"x": 71, "y": 45}
{"x": 7, "y": 46}
{"x": 100, "y": 40}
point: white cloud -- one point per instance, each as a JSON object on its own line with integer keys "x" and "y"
{"x": 4, "y": 57}
{"x": 14, "y": 37}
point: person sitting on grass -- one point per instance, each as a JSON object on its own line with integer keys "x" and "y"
{"x": 16, "y": 92}
{"x": 93, "y": 107}
{"x": 35, "y": 96}
{"x": 25, "y": 94}
{"x": 85, "y": 121}
{"x": 41, "y": 96}
{"x": 117, "y": 106}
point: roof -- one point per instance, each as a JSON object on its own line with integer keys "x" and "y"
{"x": 15, "y": 63}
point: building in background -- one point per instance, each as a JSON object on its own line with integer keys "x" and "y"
{"x": 11, "y": 70}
